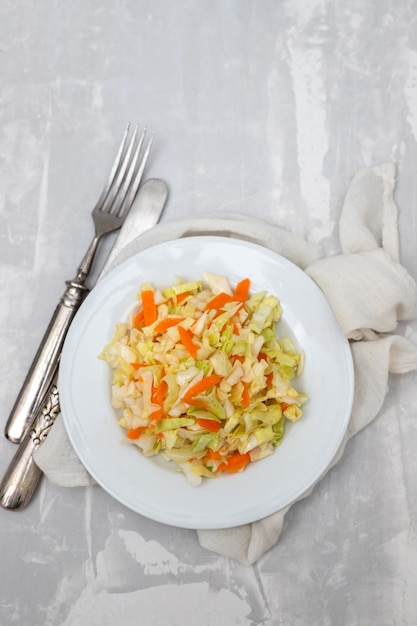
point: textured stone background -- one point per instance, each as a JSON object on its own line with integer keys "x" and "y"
{"x": 260, "y": 108}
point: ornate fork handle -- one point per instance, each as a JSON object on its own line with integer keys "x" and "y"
{"x": 23, "y": 474}
{"x": 46, "y": 418}
{"x": 45, "y": 363}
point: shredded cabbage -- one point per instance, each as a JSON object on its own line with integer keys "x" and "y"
{"x": 201, "y": 378}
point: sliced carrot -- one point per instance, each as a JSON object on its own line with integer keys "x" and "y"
{"x": 237, "y": 463}
{"x": 200, "y": 387}
{"x": 221, "y": 467}
{"x": 134, "y": 433}
{"x": 238, "y": 357}
{"x": 181, "y": 297}
{"x": 138, "y": 319}
{"x": 167, "y": 322}
{"x": 262, "y": 356}
{"x": 242, "y": 290}
{"x": 157, "y": 397}
{"x": 269, "y": 378}
{"x": 218, "y": 301}
{"x": 162, "y": 390}
{"x": 245, "y": 401}
{"x": 187, "y": 340}
{"x": 210, "y": 425}
{"x": 284, "y": 406}
{"x": 197, "y": 402}
{"x": 214, "y": 455}
{"x": 150, "y": 311}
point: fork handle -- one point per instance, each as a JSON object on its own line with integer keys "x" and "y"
{"x": 22, "y": 476}
{"x": 45, "y": 364}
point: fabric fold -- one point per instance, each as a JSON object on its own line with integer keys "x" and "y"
{"x": 58, "y": 459}
{"x": 289, "y": 245}
{"x": 366, "y": 290}
{"x": 369, "y": 216}
{"x": 247, "y": 543}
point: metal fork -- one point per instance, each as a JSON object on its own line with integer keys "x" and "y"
{"x": 108, "y": 215}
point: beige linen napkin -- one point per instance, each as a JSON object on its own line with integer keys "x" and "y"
{"x": 370, "y": 293}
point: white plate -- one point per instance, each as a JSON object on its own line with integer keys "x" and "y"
{"x": 149, "y": 486}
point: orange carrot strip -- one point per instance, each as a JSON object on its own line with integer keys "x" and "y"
{"x": 245, "y": 395}
{"x": 242, "y": 290}
{"x": 150, "y": 312}
{"x": 214, "y": 455}
{"x": 284, "y": 406}
{"x": 218, "y": 301}
{"x": 238, "y": 357}
{"x": 197, "y": 402}
{"x": 210, "y": 425}
{"x": 181, "y": 297}
{"x": 162, "y": 390}
{"x": 167, "y": 322}
{"x": 157, "y": 397}
{"x": 221, "y": 467}
{"x": 269, "y": 378}
{"x": 237, "y": 463}
{"x": 138, "y": 319}
{"x": 187, "y": 340}
{"x": 134, "y": 433}
{"x": 201, "y": 386}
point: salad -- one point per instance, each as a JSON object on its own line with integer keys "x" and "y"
{"x": 201, "y": 378}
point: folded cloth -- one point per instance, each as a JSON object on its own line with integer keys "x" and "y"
{"x": 370, "y": 293}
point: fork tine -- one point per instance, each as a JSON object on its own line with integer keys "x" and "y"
{"x": 132, "y": 180}
{"x": 127, "y": 179}
{"x": 136, "y": 182}
{"x": 113, "y": 170}
{"x": 108, "y": 204}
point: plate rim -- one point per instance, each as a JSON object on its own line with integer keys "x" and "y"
{"x": 112, "y": 275}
